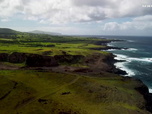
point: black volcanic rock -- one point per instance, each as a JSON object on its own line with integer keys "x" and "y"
{"x": 17, "y": 57}
{"x": 4, "y": 57}
{"x": 148, "y": 98}
{"x": 119, "y": 71}
{"x": 109, "y": 59}
{"x": 35, "y": 60}
{"x": 143, "y": 89}
{"x": 70, "y": 59}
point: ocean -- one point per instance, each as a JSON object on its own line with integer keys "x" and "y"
{"x": 137, "y": 56}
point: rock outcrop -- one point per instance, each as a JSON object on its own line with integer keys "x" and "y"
{"x": 35, "y": 60}
{"x": 143, "y": 89}
{"x": 17, "y": 57}
{"x": 102, "y": 62}
{"x": 4, "y": 57}
{"x": 69, "y": 59}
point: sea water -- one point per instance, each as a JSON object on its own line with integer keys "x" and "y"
{"x": 137, "y": 56}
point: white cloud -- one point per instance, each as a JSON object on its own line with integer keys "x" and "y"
{"x": 139, "y": 23}
{"x": 144, "y": 18}
{"x": 9, "y": 7}
{"x": 64, "y": 11}
{"x": 67, "y": 12}
{"x": 111, "y": 26}
{"x": 5, "y": 20}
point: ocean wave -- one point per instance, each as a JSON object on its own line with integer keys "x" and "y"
{"x": 121, "y": 65}
{"x": 111, "y": 49}
{"x": 142, "y": 59}
{"x": 131, "y": 49}
{"x": 121, "y": 57}
{"x": 150, "y": 90}
{"x": 109, "y": 44}
{"x": 130, "y": 40}
{"x": 129, "y": 59}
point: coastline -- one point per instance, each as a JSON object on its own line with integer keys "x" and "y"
{"x": 122, "y": 60}
{"x": 99, "y": 65}
{"x": 69, "y": 75}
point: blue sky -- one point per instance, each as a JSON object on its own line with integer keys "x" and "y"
{"x": 81, "y": 17}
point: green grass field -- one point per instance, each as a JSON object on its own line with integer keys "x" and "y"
{"x": 33, "y": 92}
{"x": 39, "y": 47}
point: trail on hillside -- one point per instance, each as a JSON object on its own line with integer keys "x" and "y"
{"x": 39, "y": 97}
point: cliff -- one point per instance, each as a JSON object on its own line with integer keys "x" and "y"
{"x": 65, "y": 75}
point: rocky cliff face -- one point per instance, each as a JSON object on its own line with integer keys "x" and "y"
{"x": 13, "y": 58}
{"x": 143, "y": 89}
{"x": 100, "y": 62}
{"x": 34, "y": 60}
{"x": 69, "y": 59}
{"x": 96, "y": 63}
{"x": 4, "y": 57}
{"x": 17, "y": 57}
{"x": 31, "y": 60}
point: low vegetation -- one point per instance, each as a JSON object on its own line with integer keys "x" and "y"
{"x": 27, "y": 92}
{"x": 78, "y": 81}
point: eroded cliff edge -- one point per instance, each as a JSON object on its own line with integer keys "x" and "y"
{"x": 90, "y": 78}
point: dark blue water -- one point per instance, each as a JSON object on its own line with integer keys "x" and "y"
{"x": 138, "y": 57}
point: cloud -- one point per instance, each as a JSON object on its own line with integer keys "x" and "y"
{"x": 4, "y": 20}
{"x": 65, "y": 11}
{"x": 9, "y": 7}
{"x": 138, "y": 23}
{"x": 111, "y": 26}
{"x": 144, "y": 18}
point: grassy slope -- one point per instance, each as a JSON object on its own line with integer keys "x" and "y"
{"x": 32, "y": 92}
{"x": 14, "y": 41}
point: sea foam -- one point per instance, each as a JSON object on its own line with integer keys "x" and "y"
{"x": 132, "y": 49}
{"x": 130, "y": 40}
{"x": 109, "y": 44}
{"x": 129, "y": 59}
{"x": 150, "y": 90}
{"x": 122, "y": 65}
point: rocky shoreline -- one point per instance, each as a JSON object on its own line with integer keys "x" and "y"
{"x": 142, "y": 89}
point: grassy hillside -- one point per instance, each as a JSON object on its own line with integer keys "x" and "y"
{"x": 33, "y": 92}
{"x": 85, "y": 87}
{"x": 8, "y": 31}
{"x": 41, "y": 43}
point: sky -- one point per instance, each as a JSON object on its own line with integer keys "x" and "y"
{"x": 79, "y": 17}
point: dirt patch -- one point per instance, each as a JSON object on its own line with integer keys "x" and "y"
{"x": 8, "y": 67}
{"x": 83, "y": 70}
